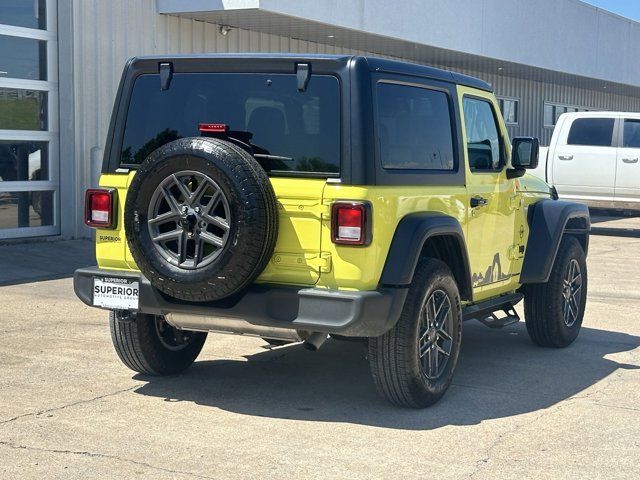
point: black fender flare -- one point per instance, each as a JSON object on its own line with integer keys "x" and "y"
{"x": 549, "y": 221}
{"x": 410, "y": 236}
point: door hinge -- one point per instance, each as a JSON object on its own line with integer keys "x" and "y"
{"x": 322, "y": 262}
{"x": 515, "y": 201}
{"x": 306, "y": 261}
{"x": 516, "y": 252}
{"x": 297, "y": 207}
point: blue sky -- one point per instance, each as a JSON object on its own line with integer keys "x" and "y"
{"x": 626, "y": 8}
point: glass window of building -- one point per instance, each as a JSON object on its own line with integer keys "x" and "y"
{"x": 509, "y": 109}
{"x": 29, "y": 188}
{"x": 553, "y": 111}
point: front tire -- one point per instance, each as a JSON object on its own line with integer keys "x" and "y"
{"x": 148, "y": 344}
{"x": 554, "y": 310}
{"x": 413, "y": 364}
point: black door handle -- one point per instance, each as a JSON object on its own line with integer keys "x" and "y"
{"x": 478, "y": 202}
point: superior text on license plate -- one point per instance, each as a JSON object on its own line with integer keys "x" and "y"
{"x": 116, "y": 293}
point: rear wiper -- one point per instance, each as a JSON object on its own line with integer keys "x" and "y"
{"x": 273, "y": 157}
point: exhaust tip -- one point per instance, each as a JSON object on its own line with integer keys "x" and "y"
{"x": 315, "y": 341}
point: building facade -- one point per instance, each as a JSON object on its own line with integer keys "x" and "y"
{"x": 61, "y": 60}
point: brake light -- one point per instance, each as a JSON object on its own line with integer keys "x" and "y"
{"x": 350, "y": 223}
{"x": 213, "y": 128}
{"x": 99, "y": 208}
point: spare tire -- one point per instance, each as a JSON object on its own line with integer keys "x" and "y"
{"x": 201, "y": 219}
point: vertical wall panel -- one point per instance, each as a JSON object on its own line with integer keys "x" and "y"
{"x": 107, "y": 33}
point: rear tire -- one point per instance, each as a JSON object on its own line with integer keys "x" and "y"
{"x": 147, "y": 344}
{"x": 552, "y": 318}
{"x": 399, "y": 371}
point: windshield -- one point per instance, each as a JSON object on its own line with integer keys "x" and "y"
{"x": 290, "y": 131}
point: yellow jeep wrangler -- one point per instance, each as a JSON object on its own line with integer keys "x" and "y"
{"x": 296, "y": 197}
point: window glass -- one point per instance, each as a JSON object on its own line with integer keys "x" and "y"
{"x": 596, "y": 132}
{"x": 483, "y": 140}
{"x": 290, "y": 131}
{"x": 23, "y": 109}
{"x": 21, "y": 161}
{"x": 24, "y": 13}
{"x": 509, "y": 109}
{"x": 548, "y": 115}
{"x": 632, "y": 134}
{"x": 414, "y": 128}
{"x": 26, "y": 209}
{"x": 23, "y": 58}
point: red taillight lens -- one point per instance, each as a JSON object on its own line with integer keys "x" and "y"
{"x": 349, "y": 225}
{"x": 99, "y": 207}
{"x": 213, "y": 128}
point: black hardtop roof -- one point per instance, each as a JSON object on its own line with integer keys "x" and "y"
{"x": 375, "y": 64}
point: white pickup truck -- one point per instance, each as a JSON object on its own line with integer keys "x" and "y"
{"x": 594, "y": 158}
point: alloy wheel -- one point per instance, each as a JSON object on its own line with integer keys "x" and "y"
{"x": 189, "y": 219}
{"x": 435, "y": 340}
{"x": 571, "y": 293}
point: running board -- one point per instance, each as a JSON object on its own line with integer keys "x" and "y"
{"x": 485, "y": 312}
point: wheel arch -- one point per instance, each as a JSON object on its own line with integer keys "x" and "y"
{"x": 427, "y": 234}
{"x": 549, "y": 221}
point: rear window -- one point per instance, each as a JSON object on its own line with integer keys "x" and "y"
{"x": 291, "y": 131}
{"x": 594, "y": 132}
{"x": 414, "y": 128}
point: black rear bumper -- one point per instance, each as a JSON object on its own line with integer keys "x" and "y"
{"x": 356, "y": 314}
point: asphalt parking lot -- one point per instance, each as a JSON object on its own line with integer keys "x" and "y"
{"x": 69, "y": 409}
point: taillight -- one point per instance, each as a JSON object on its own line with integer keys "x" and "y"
{"x": 351, "y": 223}
{"x": 100, "y": 207}
{"x": 213, "y": 128}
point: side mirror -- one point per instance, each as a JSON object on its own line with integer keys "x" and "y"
{"x": 524, "y": 153}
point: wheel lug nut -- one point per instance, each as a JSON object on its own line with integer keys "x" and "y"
{"x": 185, "y": 209}
{"x": 203, "y": 224}
{"x": 197, "y": 209}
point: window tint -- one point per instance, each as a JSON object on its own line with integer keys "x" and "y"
{"x": 483, "y": 140}
{"x": 414, "y": 128}
{"x": 290, "y": 131}
{"x": 595, "y": 132}
{"x": 632, "y": 134}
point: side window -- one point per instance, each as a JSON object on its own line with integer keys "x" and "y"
{"x": 631, "y": 134}
{"x": 483, "y": 140}
{"x": 594, "y": 132}
{"x": 414, "y": 128}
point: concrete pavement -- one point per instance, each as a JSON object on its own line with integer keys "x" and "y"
{"x": 69, "y": 409}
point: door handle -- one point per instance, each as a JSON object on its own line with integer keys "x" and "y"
{"x": 478, "y": 202}
{"x": 630, "y": 160}
{"x": 565, "y": 157}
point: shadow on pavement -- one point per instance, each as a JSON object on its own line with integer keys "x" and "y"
{"x": 615, "y": 223}
{"x": 37, "y": 261}
{"x": 500, "y": 374}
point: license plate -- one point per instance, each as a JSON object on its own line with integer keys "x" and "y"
{"x": 116, "y": 293}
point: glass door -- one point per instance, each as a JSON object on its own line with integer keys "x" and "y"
{"x": 29, "y": 183}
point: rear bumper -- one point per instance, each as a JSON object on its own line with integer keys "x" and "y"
{"x": 356, "y": 314}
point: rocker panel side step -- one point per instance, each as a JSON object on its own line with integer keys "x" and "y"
{"x": 485, "y": 311}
